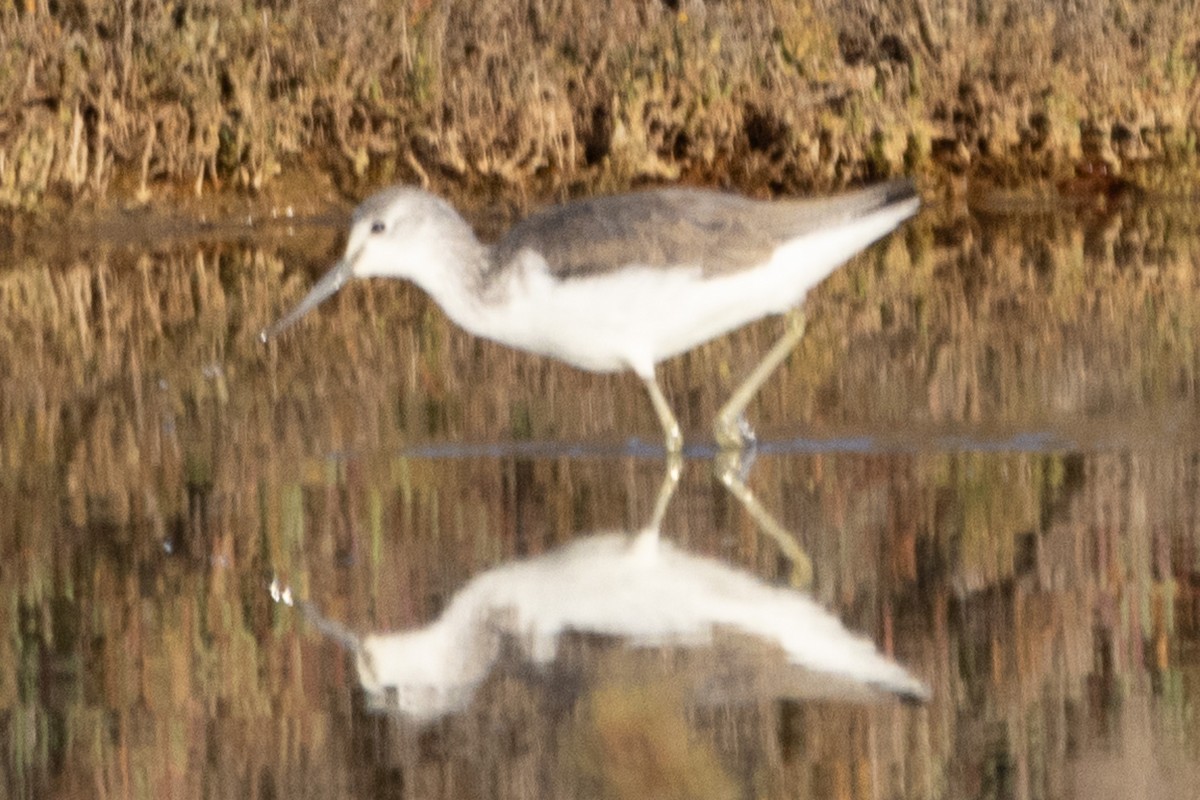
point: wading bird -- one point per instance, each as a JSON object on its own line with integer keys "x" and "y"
{"x": 620, "y": 282}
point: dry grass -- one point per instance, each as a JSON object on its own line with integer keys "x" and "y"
{"x": 129, "y": 100}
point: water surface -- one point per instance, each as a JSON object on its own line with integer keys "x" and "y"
{"x": 987, "y": 444}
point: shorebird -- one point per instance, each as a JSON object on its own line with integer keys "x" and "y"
{"x": 635, "y": 589}
{"x": 620, "y": 282}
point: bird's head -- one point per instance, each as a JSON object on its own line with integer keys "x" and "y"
{"x": 402, "y": 232}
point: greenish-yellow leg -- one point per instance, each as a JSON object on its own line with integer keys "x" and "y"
{"x": 728, "y": 428}
{"x": 667, "y": 490}
{"x": 674, "y": 438}
{"x": 728, "y": 470}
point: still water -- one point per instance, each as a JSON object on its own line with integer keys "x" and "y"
{"x": 988, "y": 447}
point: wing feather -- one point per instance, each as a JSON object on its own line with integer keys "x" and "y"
{"x": 714, "y": 231}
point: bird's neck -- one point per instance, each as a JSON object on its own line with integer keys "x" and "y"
{"x": 458, "y": 282}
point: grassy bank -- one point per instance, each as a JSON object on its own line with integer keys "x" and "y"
{"x": 134, "y": 101}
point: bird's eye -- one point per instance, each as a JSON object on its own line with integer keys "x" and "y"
{"x": 378, "y": 226}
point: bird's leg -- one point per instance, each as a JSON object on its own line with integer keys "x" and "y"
{"x": 666, "y": 490}
{"x": 665, "y": 415}
{"x": 674, "y": 460}
{"x": 730, "y": 428}
{"x": 730, "y": 471}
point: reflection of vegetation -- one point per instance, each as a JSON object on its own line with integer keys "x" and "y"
{"x": 138, "y": 415}
{"x": 128, "y": 96}
{"x": 634, "y": 742}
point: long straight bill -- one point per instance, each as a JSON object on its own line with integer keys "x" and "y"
{"x": 327, "y": 286}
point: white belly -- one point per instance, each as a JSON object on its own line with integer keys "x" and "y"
{"x": 634, "y": 317}
{"x": 627, "y": 320}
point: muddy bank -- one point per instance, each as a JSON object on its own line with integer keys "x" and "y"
{"x": 128, "y": 104}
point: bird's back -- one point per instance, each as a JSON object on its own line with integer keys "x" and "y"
{"x": 716, "y": 231}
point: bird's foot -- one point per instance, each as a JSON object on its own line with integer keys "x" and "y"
{"x": 734, "y": 433}
{"x": 674, "y": 440}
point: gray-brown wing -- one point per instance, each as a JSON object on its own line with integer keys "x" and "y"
{"x": 716, "y": 231}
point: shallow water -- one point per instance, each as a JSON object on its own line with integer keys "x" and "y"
{"x": 988, "y": 444}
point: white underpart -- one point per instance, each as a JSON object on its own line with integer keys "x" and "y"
{"x": 636, "y": 316}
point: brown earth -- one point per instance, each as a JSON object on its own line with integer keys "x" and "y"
{"x": 138, "y": 103}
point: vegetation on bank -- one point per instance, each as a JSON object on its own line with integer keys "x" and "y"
{"x": 134, "y": 100}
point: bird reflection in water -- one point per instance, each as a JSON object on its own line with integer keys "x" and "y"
{"x": 639, "y": 591}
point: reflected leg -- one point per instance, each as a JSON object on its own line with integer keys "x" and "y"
{"x": 674, "y": 438}
{"x": 728, "y": 427}
{"x": 728, "y": 468}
